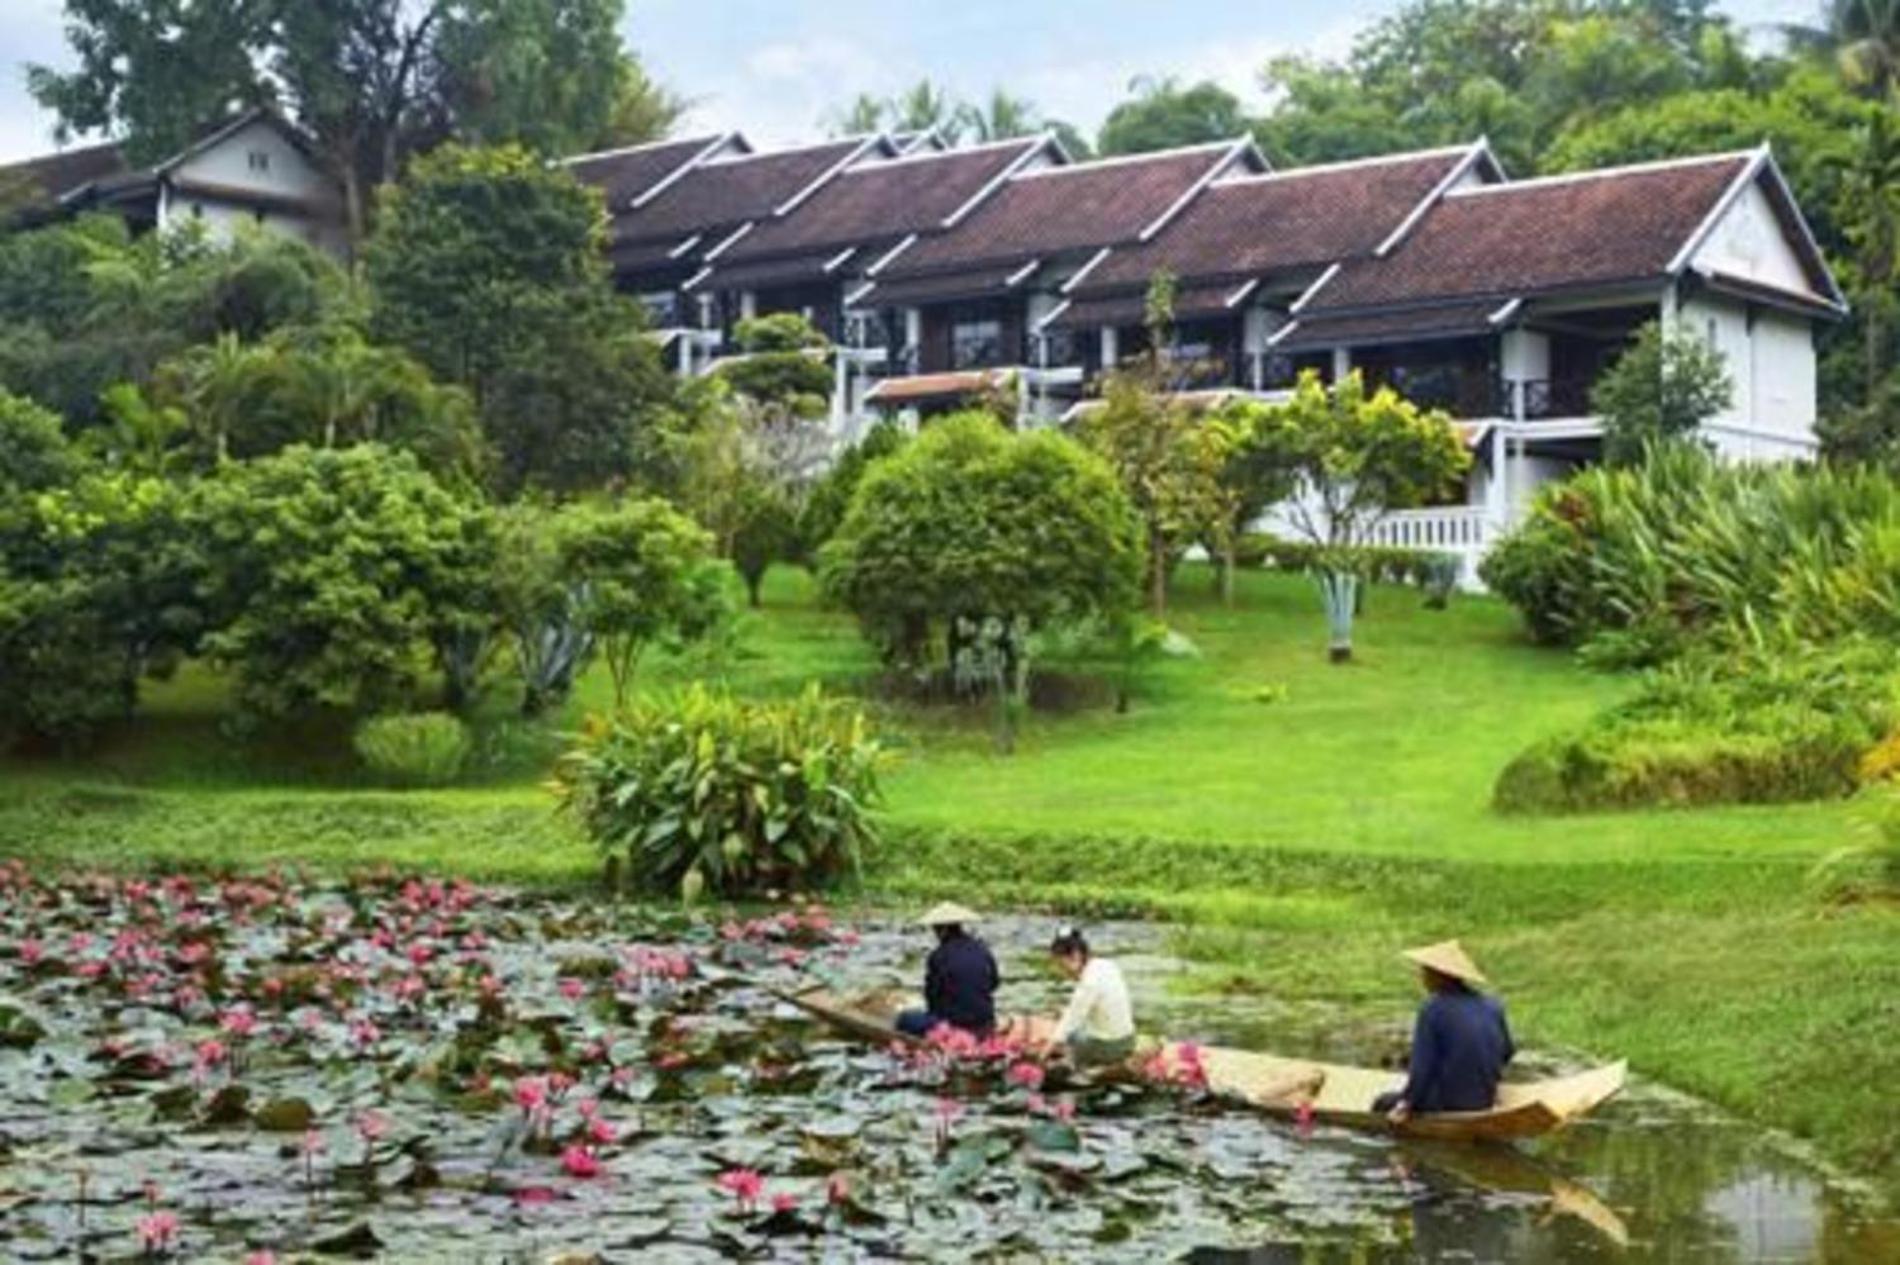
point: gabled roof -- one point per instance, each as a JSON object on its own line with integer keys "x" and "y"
{"x": 1072, "y": 210}
{"x": 1286, "y": 222}
{"x": 886, "y": 200}
{"x": 1599, "y": 229}
{"x": 53, "y": 176}
{"x": 102, "y": 169}
{"x": 624, "y": 174}
{"x": 725, "y": 192}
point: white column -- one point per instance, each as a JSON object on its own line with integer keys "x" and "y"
{"x": 1111, "y": 346}
{"x": 1342, "y": 363}
{"x": 914, "y": 332}
{"x": 1497, "y": 494}
{"x": 748, "y": 305}
{"x": 840, "y": 391}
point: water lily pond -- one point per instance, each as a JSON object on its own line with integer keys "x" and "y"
{"x": 261, "y": 1070}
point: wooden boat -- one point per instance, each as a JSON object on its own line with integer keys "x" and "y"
{"x": 1330, "y": 1093}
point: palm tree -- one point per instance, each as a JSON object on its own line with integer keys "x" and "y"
{"x": 1003, "y": 118}
{"x": 1872, "y": 185}
{"x": 1861, "y": 36}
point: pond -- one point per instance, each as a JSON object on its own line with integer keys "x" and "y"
{"x": 259, "y": 1070}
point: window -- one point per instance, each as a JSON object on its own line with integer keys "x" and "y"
{"x": 197, "y": 210}
{"x": 976, "y": 344}
{"x": 259, "y": 160}
{"x": 1712, "y": 342}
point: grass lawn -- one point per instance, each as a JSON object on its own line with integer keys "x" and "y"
{"x": 1299, "y": 841}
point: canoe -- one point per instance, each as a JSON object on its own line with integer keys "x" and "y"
{"x": 1331, "y": 1093}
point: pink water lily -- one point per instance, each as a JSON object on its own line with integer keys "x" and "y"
{"x": 578, "y": 1161}
{"x": 157, "y": 1231}
{"x": 745, "y": 1185}
{"x": 1026, "y": 1076}
{"x": 572, "y": 989}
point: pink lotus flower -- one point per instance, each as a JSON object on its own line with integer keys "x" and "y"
{"x": 531, "y": 1094}
{"x": 573, "y": 989}
{"x": 1303, "y": 1117}
{"x": 558, "y": 1085}
{"x": 1065, "y": 1110}
{"x": 365, "y": 1033}
{"x": 536, "y": 1195}
{"x": 578, "y": 1161}
{"x": 211, "y": 1052}
{"x": 744, "y": 1184}
{"x": 31, "y": 951}
{"x": 601, "y": 1131}
{"x": 783, "y": 1202}
{"x": 837, "y": 1189}
{"x": 371, "y": 1126}
{"x": 1026, "y": 1076}
{"x": 312, "y": 1142}
{"x": 261, "y": 1258}
{"x": 238, "y": 1022}
{"x": 157, "y": 1231}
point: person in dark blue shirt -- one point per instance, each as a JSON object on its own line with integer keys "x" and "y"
{"x": 960, "y": 979}
{"x": 1460, "y": 1042}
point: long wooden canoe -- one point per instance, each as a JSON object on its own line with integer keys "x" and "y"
{"x": 1332, "y": 1093}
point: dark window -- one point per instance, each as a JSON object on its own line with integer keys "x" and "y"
{"x": 259, "y": 159}
{"x": 976, "y": 344}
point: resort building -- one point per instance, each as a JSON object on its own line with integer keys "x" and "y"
{"x": 255, "y": 169}
{"x": 1010, "y": 269}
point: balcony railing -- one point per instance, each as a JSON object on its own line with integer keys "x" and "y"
{"x": 1554, "y": 397}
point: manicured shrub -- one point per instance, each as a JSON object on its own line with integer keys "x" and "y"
{"x": 971, "y": 522}
{"x": 700, "y": 791}
{"x": 1784, "y": 723}
{"x": 423, "y": 749}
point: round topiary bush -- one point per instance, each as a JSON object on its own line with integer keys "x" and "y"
{"x": 971, "y": 522}
{"x": 423, "y": 749}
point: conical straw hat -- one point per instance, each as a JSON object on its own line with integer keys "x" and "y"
{"x": 949, "y": 912}
{"x": 1447, "y": 958}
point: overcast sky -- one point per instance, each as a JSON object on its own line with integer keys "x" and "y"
{"x": 776, "y": 68}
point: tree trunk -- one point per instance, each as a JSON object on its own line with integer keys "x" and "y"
{"x": 1227, "y": 564}
{"x": 1158, "y": 575}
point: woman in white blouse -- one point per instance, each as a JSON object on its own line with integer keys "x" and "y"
{"x": 1098, "y": 1027}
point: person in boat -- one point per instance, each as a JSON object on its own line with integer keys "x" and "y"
{"x": 960, "y": 978}
{"x": 1097, "y": 1029}
{"x": 1460, "y": 1041}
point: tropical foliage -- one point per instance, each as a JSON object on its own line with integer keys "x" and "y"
{"x": 703, "y": 793}
{"x": 1662, "y": 388}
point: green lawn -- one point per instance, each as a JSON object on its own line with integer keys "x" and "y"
{"x": 1299, "y": 842}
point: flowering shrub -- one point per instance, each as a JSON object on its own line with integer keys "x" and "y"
{"x": 705, "y": 792}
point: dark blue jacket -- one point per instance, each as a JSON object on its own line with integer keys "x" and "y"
{"x": 960, "y": 982}
{"x": 1459, "y": 1048}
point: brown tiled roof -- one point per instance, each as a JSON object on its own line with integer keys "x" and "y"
{"x": 882, "y": 201}
{"x": 723, "y": 193}
{"x": 1594, "y": 229}
{"x": 1130, "y": 308}
{"x": 623, "y": 175}
{"x": 943, "y": 287}
{"x": 55, "y": 175}
{"x": 1445, "y": 320}
{"x": 1065, "y": 210}
{"x": 1252, "y": 226}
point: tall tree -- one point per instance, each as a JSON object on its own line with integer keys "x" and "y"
{"x": 1162, "y": 114}
{"x": 373, "y": 81}
{"x": 487, "y": 267}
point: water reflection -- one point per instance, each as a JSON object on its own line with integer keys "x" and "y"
{"x": 1654, "y": 1176}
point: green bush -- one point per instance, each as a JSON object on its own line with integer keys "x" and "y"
{"x": 1779, "y": 724}
{"x": 1866, "y": 872}
{"x": 1297, "y": 557}
{"x": 423, "y": 749}
{"x": 971, "y": 522}
{"x": 1654, "y": 558}
{"x": 704, "y": 792}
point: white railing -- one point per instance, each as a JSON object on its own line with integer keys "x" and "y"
{"x": 1465, "y": 530}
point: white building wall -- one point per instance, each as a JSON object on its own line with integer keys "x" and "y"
{"x": 258, "y": 159}
{"x": 1748, "y": 242}
{"x": 1771, "y": 364}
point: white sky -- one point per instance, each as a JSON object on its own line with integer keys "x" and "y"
{"x": 776, "y": 68}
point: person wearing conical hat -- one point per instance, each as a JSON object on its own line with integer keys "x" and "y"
{"x": 1460, "y": 1041}
{"x": 960, "y": 978}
